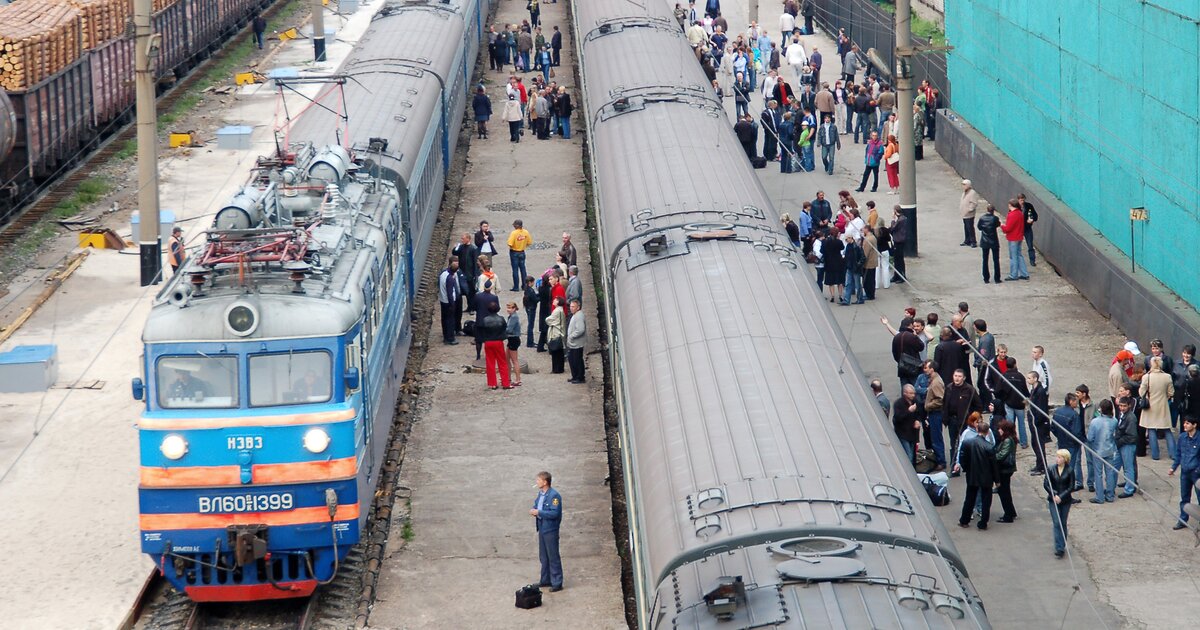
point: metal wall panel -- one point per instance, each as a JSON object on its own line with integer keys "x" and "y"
{"x": 1117, "y": 82}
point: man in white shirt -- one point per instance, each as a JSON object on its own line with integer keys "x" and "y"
{"x": 787, "y": 23}
{"x": 1041, "y": 367}
{"x": 796, "y": 57}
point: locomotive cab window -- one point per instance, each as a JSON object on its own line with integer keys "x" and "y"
{"x": 197, "y": 382}
{"x": 291, "y": 378}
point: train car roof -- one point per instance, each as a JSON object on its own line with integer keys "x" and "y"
{"x": 390, "y": 75}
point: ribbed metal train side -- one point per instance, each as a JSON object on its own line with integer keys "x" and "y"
{"x": 753, "y": 452}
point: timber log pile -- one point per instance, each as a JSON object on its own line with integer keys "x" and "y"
{"x": 101, "y": 20}
{"x": 37, "y": 39}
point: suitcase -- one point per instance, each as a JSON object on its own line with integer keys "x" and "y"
{"x": 529, "y": 597}
{"x": 758, "y": 161}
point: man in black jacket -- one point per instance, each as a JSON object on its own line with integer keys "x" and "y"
{"x": 821, "y": 212}
{"x": 556, "y": 46}
{"x": 770, "y": 123}
{"x": 1039, "y": 420}
{"x": 468, "y": 266}
{"x": 906, "y": 421}
{"x": 1031, "y": 217}
{"x": 899, "y": 231}
{"x": 989, "y": 242}
{"x": 906, "y": 343}
{"x": 747, "y": 134}
{"x": 948, "y": 355}
{"x": 978, "y": 463}
{"x": 961, "y": 400}
{"x": 1127, "y": 439}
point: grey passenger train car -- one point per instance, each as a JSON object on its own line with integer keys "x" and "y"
{"x": 764, "y": 486}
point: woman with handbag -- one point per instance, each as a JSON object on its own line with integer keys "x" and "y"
{"x": 891, "y": 156}
{"x": 1006, "y": 465}
{"x": 1156, "y": 390}
{"x": 556, "y": 325}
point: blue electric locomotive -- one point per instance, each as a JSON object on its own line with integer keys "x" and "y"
{"x": 272, "y": 359}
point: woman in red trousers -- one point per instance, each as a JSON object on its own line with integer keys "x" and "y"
{"x": 494, "y": 331}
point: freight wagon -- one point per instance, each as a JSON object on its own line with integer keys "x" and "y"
{"x": 46, "y": 128}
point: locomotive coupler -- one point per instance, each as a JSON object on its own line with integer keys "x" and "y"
{"x": 249, "y": 543}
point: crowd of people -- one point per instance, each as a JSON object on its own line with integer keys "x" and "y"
{"x": 853, "y": 255}
{"x": 800, "y": 111}
{"x": 543, "y": 103}
{"x": 551, "y": 304}
{"x": 959, "y": 386}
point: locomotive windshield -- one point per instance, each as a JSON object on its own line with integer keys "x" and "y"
{"x": 197, "y": 381}
{"x": 292, "y": 378}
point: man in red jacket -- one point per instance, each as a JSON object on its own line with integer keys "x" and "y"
{"x": 1014, "y": 230}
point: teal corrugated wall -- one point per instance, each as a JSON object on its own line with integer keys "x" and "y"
{"x": 1099, "y": 100}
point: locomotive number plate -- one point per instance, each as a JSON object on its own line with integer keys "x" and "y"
{"x": 233, "y": 504}
{"x": 243, "y": 442}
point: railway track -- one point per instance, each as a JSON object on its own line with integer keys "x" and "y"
{"x": 60, "y": 189}
{"x": 160, "y": 607}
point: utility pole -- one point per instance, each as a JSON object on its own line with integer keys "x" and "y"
{"x": 145, "y": 50}
{"x": 904, "y": 107}
{"x": 318, "y": 22}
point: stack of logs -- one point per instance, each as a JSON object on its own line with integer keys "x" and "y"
{"x": 102, "y": 20}
{"x": 159, "y": 5}
{"x": 37, "y": 39}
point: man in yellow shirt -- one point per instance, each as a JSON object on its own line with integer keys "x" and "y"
{"x": 518, "y": 240}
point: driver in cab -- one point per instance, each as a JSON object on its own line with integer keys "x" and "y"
{"x": 187, "y": 386}
{"x": 310, "y": 388}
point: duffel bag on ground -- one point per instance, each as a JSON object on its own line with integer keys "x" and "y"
{"x": 529, "y": 597}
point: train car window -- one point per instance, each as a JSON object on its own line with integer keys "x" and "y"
{"x": 197, "y": 381}
{"x": 291, "y": 378}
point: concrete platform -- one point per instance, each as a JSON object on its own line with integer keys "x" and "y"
{"x": 69, "y": 457}
{"x": 1127, "y": 561}
{"x": 474, "y": 453}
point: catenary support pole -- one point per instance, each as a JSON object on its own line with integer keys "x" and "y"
{"x": 318, "y": 25}
{"x": 904, "y": 111}
{"x": 145, "y": 51}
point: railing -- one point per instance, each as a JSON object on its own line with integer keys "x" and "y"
{"x": 871, "y": 27}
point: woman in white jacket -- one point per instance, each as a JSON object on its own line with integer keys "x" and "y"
{"x": 512, "y": 114}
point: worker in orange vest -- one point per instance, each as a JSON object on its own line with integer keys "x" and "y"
{"x": 175, "y": 254}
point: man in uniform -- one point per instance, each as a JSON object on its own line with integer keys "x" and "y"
{"x": 188, "y": 386}
{"x": 175, "y": 254}
{"x": 547, "y": 514}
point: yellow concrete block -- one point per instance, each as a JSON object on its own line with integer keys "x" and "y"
{"x": 291, "y": 33}
{"x": 245, "y": 78}
{"x": 177, "y": 140}
{"x": 88, "y": 239}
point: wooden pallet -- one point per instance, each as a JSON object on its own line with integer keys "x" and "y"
{"x": 36, "y": 40}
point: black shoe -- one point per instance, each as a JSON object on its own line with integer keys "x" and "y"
{"x": 1037, "y": 473}
{"x": 858, "y": 189}
{"x": 981, "y": 527}
{"x": 1091, "y": 488}
{"x": 1075, "y": 501}
{"x": 1179, "y": 525}
{"x": 541, "y": 349}
{"x": 1124, "y": 495}
{"x": 1033, "y": 263}
{"x": 450, "y": 342}
{"x": 1096, "y": 501}
{"x": 1005, "y": 519}
{"x": 964, "y": 525}
{"x": 1059, "y": 554}
{"x": 555, "y": 589}
{"x": 986, "y": 281}
{"x": 543, "y": 584}
{"x": 1078, "y": 488}
{"x": 999, "y": 281}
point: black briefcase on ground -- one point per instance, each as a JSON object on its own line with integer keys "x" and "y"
{"x": 529, "y": 597}
{"x": 758, "y": 162}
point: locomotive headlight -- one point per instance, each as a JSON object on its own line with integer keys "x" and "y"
{"x": 173, "y": 447}
{"x": 316, "y": 440}
{"x": 241, "y": 319}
